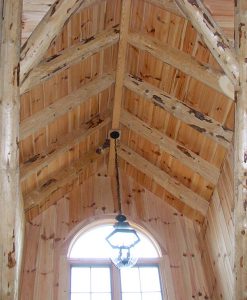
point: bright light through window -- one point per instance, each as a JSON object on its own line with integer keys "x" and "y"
{"x": 92, "y": 244}
{"x": 94, "y": 277}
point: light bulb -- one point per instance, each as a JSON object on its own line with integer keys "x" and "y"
{"x": 124, "y": 258}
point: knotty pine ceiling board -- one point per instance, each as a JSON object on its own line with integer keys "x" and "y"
{"x": 165, "y": 27}
{"x": 172, "y": 127}
{"x": 150, "y": 185}
{"x": 181, "y": 86}
{"x": 167, "y": 163}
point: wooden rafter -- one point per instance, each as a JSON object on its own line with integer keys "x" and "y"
{"x": 62, "y": 145}
{"x": 64, "y": 59}
{"x": 120, "y": 72}
{"x": 47, "y": 30}
{"x": 170, "y": 184}
{"x": 58, "y": 181}
{"x": 187, "y": 157}
{"x": 212, "y": 35}
{"x": 186, "y": 114}
{"x": 62, "y": 106}
{"x": 11, "y": 212}
{"x": 184, "y": 62}
{"x": 240, "y": 157}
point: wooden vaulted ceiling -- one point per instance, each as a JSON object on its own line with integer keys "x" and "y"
{"x": 160, "y": 87}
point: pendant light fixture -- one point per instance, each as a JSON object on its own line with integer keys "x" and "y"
{"x": 123, "y": 238}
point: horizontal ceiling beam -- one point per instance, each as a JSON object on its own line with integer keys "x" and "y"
{"x": 58, "y": 181}
{"x": 212, "y": 35}
{"x": 183, "y": 62}
{"x": 63, "y": 144}
{"x": 46, "y": 32}
{"x": 64, "y": 105}
{"x": 175, "y": 149}
{"x": 171, "y": 185}
{"x": 64, "y": 59}
{"x": 195, "y": 119}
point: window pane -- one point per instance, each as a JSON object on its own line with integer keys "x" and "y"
{"x": 151, "y": 296}
{"x": 80, "y": 279}
{"x": 79, "y": 296}
{"x": 131, "y": 296}
{"x": 150, "y": 280}
{"x": 130, "y": 280}
{"x": 101, "y": 296}
{"x": 101, "y": 281}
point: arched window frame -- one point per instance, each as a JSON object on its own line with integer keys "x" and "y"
{"x": 115, "y": 274}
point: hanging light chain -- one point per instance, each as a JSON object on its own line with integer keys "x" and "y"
{"x": 117, "y": 178}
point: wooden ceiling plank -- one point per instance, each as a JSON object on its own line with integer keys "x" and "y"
{"x": 170, "y": 184}
{"x": 240, "y": 155}
{"x": 47, "y": 30}
{"x": 184, "y": 62}
{"x": 175, "y": 149}
{"x": 195, "y": 119}
{"x": 11, "y": 212}
{"x": 64, "y": 59}
{"x": 213, "y": 37}
{"x": 62, "y": 145}
{"x": 62, "y": 106}
{"x": 57, "y": 181}
{"x": 120, "y": 73}
{"x": 167, "y": 5}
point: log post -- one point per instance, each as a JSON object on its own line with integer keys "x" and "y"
{"x": 213, "y": 37}
{"x": 240, "y": 157}
{"x": 11, "y": 212}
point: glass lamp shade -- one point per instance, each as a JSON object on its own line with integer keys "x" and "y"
{"x": 122, "y": 240}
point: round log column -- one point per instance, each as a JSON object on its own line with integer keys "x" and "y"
{"x": 11, "y": 208}
{"x": 240, "y": 147}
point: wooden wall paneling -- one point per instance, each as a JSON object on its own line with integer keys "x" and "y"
{"x": 30, "y": 270}
{"x": 62, "y": 230}
{"x": 217, "y": 235}
{"x": 45, "y": 256}
{"x": 220, "y": 268}
{"x": 226, "y": 237}
{"x": 94, "y": 197}
{"x": 210, "y": 275}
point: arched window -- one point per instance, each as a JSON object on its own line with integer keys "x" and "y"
{"x": 94, "y": 277}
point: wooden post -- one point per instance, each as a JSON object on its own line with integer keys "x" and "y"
{"x": 11, "y": 211}
{"x": 212, "y": 36}
{"x": 240, "y": 158}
